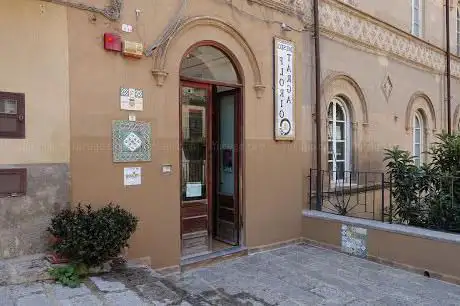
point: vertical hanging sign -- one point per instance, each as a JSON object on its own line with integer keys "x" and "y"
{"x": 284, "y": 79}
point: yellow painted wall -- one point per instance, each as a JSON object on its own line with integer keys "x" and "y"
{"x": 34, "y": 61}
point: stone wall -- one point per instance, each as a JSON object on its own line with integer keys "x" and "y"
{"x": 24, "y": 220}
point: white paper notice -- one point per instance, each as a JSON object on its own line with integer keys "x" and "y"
{"x": 193, "y": 190}
{"x": 284, "y": 90}
{"x": 132, "y": 176}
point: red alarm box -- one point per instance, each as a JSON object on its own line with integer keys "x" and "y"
{"x": 112, "y": 42}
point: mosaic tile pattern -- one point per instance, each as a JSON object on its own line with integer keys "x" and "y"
{"x": 131, "y": 141}
{"x": 131, "y": 99}
{"x": 354, "y": 240}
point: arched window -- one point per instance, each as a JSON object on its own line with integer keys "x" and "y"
{"x": 418, "y": 138}
{"x": 208, "y": 63}
{"x": 338, "y": 140}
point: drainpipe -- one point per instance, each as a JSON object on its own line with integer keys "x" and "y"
{"x": 448, "y": 74}
{"x": 318, "y": 103}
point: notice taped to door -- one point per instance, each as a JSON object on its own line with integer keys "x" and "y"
{"x": 284, "y": 86}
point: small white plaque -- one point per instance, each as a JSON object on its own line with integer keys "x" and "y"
{"x": 132, "y": 117}
{"x": 166, "y": 169}
{"x": 193, "y": 190}
{"x": 127, "y": 28}
{"x": 131, "y": 99}
{"x": 132, "y": 176}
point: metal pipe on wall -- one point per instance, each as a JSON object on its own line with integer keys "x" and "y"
{"x": 448, "y": 73}
{"x": 316, "y": 35}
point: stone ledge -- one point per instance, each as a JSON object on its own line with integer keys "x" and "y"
{"x": 387, "y": 227}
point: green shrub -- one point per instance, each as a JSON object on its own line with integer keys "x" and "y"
{"x": 92, "y": 237}
{"x": 427, "y": 196}
{"x": 408, "y": 180}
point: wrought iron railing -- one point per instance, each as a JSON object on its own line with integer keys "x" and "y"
{"x": 420, "y": 200}
{"x": 350, "y": 193}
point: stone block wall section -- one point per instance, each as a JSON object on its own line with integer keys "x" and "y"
{"x": 24, "y": 220}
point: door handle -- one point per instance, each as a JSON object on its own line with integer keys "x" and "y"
{"x": 21, "y": 117}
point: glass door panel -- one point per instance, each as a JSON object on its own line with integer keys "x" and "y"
{"x": 194, "y": 102}
{"x": 195, "y": 203}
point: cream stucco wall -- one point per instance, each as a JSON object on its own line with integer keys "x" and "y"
{"x": 399, "y": 14}
{"x": 386, "y": 124}
{"x": 34, "y": 61}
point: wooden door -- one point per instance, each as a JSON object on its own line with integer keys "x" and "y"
{"x": 226, "y": 167}
{"x": 196, "y": 195}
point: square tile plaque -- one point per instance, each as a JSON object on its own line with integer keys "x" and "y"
{"x": 131, "y": 141}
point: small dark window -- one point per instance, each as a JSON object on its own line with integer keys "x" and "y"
{"x": 13, "y": 182}
{"x": 12, "y": 115}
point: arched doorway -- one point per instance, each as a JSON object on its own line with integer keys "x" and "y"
{"x": 211, "y": 97}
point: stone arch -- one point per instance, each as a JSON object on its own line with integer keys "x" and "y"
{"x": 419, "y": 101}
{"x": 160, "y": 55}
{"x": 343, "y": 86}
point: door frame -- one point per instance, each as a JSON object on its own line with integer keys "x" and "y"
{"x": 209, "y": 85}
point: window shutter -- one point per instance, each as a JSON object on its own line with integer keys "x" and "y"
{"x": 13, "y": 182}
{"x": 12, "y": 115}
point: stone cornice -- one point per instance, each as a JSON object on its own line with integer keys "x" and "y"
{"x": 290, "y": 7}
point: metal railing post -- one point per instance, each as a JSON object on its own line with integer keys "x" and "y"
{"x": 391, "y": 199}
{"x": 383, "y": 197}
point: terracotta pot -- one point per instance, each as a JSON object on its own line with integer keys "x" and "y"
{"x": 55, "y": 258}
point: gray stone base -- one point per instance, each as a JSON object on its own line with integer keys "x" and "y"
{"x": 24, "y": 220}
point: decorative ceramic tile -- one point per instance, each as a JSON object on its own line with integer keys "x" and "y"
{"x": 132, "y": 141}
{"x": 131, "y": 99}
{"x": 354, "y": 240}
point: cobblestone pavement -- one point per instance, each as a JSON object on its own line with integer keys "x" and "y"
{"x": 293, "y": 275}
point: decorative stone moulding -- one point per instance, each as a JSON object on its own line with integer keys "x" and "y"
{"x": 260, "y": 89}
{"x": 160, "y": 76}
{"x": 160, "y": 54}
{"x": 387, "y": 87}
{"x": 111, "y": 11}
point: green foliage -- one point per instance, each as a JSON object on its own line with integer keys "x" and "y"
{"x": 407, "y": 184}
{"x": 69, "y": 275}
{"x": 92, "y": 237}
{"x": 427, "y": 196}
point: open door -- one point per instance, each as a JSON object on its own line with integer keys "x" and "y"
{"x": 226, "y": 212}
{"x": 210, "y": 112}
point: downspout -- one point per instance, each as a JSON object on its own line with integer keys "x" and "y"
{"x": 318, "y": 103}
{"x": 448, "y": 73}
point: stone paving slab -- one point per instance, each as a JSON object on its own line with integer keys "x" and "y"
{"x": 292, "y": 275}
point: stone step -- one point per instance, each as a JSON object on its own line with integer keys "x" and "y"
{"x": 24, "y": 269}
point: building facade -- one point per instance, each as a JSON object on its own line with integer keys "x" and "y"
{"x": 184, "y": 134}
